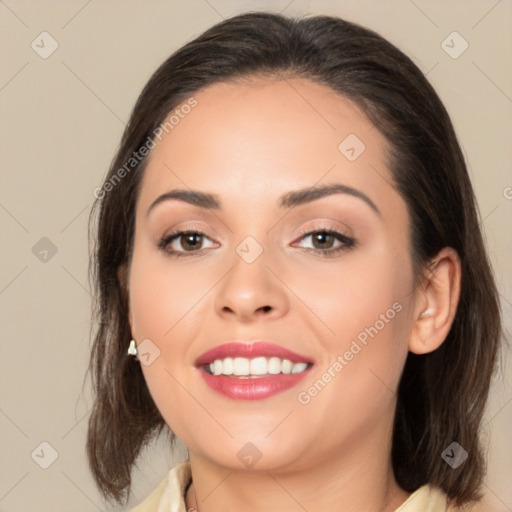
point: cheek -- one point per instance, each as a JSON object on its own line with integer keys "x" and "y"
{"x": 364, "y": 306}
{"x": 355, "y": 385}
{"x": 168, "y": 304}
{"x": 164, "y": 293}
{"x": 351, "y": 295}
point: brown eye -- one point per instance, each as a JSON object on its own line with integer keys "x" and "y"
{"x": 322, "y": 240}
{"x": 183, "y": 242}
{"x": 190, "y": 241}
{"x": 326, "y": 242}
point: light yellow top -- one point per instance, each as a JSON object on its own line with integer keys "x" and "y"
{"x": 169, "y": 496}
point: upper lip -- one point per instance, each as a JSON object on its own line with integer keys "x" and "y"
{"x": 250, "y": 349}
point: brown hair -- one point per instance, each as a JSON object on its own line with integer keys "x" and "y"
{"x": 441, "y": 396}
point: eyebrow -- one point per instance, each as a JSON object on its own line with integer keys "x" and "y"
{"x": 288, "y": 200}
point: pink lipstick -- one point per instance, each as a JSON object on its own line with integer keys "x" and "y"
{"x": 252, "y": 371}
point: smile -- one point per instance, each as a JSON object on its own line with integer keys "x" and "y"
{"x": 252, "y": 371}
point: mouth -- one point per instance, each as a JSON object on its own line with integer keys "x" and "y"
{"x": 252, "y": 371}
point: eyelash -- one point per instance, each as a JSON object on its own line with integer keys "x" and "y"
{"x": 347, "y": 243}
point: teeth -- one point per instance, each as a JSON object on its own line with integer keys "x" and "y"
{"x": 227, "y": 366}
{"x": 299, "y": 367}
{"x": 274, "y": 366}
{"x": 241, "y": 366}
{"x": 258, "y": 366}
{"x": 287, "y": 366}
{"x": 217, "y": 367}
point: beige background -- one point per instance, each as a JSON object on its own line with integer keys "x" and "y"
{"x": 62, "y": 118}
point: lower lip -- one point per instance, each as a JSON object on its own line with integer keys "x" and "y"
{"x": 255, "y": 388}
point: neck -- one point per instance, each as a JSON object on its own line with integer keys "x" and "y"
{"x": 358, "y": 479}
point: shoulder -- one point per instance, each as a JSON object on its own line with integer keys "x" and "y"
{"x": 429, "y": 498}
{"x": 170, "y": 491}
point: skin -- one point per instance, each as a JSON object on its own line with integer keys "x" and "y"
{"x": 249, "y": 143}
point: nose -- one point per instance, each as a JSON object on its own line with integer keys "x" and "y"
{"x": 251, "y": 292}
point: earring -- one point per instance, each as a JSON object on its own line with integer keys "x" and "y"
{"x": 427, "y": 312}
{"x": 132, "y": 350}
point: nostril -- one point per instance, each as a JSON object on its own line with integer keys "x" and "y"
{"x": 266, "y": 309}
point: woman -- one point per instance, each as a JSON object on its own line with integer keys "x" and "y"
{"x": 289, "y": 245}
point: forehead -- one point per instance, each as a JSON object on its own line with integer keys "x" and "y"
{"x": 247, "y": 141}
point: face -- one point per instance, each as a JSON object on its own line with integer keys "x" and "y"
{"x": 309, "y": 292}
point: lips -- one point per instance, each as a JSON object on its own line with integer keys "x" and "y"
{"x": 252, "y": 370}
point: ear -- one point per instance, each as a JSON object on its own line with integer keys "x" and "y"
{"x": 436, "y": 302}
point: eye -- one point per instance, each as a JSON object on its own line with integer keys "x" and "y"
{"x": 326, "y": 242}
{"x": 182, "y": 242}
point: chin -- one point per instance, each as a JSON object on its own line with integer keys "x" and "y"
{"x": 254, "y": 453}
